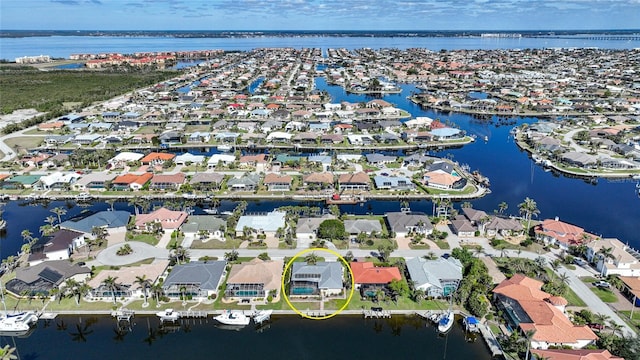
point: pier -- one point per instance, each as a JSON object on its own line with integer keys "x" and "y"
{"x": 123, "y": 315}
{"x": 192, "y": 314}
{"x": 490, "y": 339}
{"x": 376, "y": 313}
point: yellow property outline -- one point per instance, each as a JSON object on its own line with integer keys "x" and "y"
{"x": 286, "y": 298}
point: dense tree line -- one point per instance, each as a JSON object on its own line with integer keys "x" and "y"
{"x": 475, "y": 285}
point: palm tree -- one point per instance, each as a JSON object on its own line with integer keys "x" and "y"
{"x": 110, "y": 202}
{"x": 110, "y": 283}
{"x": 134, "y": 202}
{"x": 180, "y": 254}
{"x": 231, "y": 255}
{"x": 157, "y": 291}
{"x": 601, "y": 319}
{"x": 311, "y": 259}
{"x": 27, "y": 236}
{"x": 144, "y": 284}
{"x": 7, "y": 353}
{"x": 529, "y": 208}
{"x": 502, "y": 207}
{"x": 528, "y": 336}
{"x": 615, "y": 327}
{"x": 604, "y": 254}
{"x": 50, "y": 220}
{"x": 59, "y": 211}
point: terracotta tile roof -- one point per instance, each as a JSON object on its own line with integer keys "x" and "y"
{"x": 257, "y": 271}
{"x": 357, "y": 178}
{"x": 565, "y": 354}
{"x": 563, "y": 232}
{"x": 177, "y": 178}
{"x": 520, "y": 287}
{"x": 367, "y": 273}
{"x": 133, "y": 178}
{"x": 157, "y": 156}
{"x": 168, "y": 218}
{"x": 273, "y": 178}
{"x": 442, "y": 178}
{"x": 323, "y": 177}
{"x": 259, "y": 158}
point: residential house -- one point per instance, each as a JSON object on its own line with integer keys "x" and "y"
{"x": 220, "y": 159}
{"x": 167, "y": 181}
{"x": 126, "y": 284}
{"x": 554, "y": 231}
{"x": 322, "y": 278}
{"x": 156, "y": 158}
{"x": 123, "y": 159}
{"x": 395, "y": 183}
{"x": 443, "y": 180}
{"x": 58, "y": 246}
{"x": 202, "y": 227}
{"x": 267, "y": 224}
{"x": 405, "y": 223}
{"x": 376, "y": 159}
{"x": 526, "y": 307}
{"x": 258, "y": 162}
{"x": 113, "y": 221}
{"x": 94, "y": 181}
{"x": 367, "y": 226}
{"x": 618, "y": 261}
{"x": 437, "y": 278}
{"x": 569, "y": 354}
{"x": 255, "y": 279}
{"x": 357, "y": 181}
{"x": 323, "y": 180}
{"x": 277, "y": 182}
{"x": 58, "y": 180}
{"x": 198, "y": 279}
{"x": 169, "y": 219}
{"x": 46, "y": 276}
{"x": 369, "y": 278}
{"x": 462, "y": 227}
{"x": 500, "y": 226}
{"x": 307, "y": 227}
{"x": 248, "y": 182}
{"x": 206, "y": 181}
{"x": 21, "y": 181}
{"x": 188, "y": 158}
{"x": 130, "y": 181}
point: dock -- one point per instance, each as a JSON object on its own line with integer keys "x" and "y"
{"x": 376, "y": 314}
{"x": 48, "y": 316}
{"x": 490, "y": 339}
{"x": 192, "y": 314}
{"x": 123, "y": 315}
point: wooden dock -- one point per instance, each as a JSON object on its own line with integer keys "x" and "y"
{"x": 376, "y": 314}
{"x": 123, "y": 315}
{"x": 48, "y": 316}
{"x": 491, "y": 341}
{"x": 193, "y": 314}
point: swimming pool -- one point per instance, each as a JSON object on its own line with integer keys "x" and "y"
{"x": 302, "y": 291}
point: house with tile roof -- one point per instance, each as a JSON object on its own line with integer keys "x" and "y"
{"x": 131, "y": 181}
{"x": 318, "y": 180}
{"x": 206, "y": 181}
{"x": 620, "y": 262}
{"x": 322, "y": 278}
{"x": 126, "y": 286}
{"x": 405, "y": 222}
{"x": 156, "y": 158}
{"x": 277, "y": 182}
{"x": 568, "y": 354}
{"x": 526, "y": 307}
{"x": 368, "y": 278}
{"x": 556, "y": 232}
{"x": 167, "y": 181}
{"x": 254, "y": 279}
{"x": 438, "y": 278}
{"x": 367, "y": 226}
{"x": 111, "y": 220}
{"x": 356, "y": 181}
{"x": 169, "y": 219}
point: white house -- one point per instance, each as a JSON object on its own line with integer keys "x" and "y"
{"x": 619, "y": 262}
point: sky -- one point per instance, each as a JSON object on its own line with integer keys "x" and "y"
{"x": 319, "y": 14}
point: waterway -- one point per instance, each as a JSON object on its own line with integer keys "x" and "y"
{"x": 90, "y": 337}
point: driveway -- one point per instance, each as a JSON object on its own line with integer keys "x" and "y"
{"x": 141, "y": 251}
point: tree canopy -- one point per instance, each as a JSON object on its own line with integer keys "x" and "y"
{"x": 332, "y": 229}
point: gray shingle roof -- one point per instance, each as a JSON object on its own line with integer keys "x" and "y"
{"x": 110, "y": 219}
{"x": 330, "y": 273}
{"x": 423, "y": 271}
{"x": 206, "y": 275}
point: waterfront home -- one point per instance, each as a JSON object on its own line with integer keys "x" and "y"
{"x": 248, "y": 182}
{"x": 202, "y": 227}
{"x": 258, "y": 162}
{"x": 579, "y": 159}
{"x": 94, "y": 181}
{"x": 562, "y": 234}
{"x": 376, "y": 159}
{"x": 322, "y": 278}
{"x": 134, "y": 182}
{"x": 196, "y": 279}
{"x": 220, "y": 160}
{"x": 500, "y": 226}
{"x": 279, "y": 136}
{"x": 169, "y": 219}
{"x": 206, "y": 181}
{"x": 156, "y": 158}
{"x": 20, "y": 181}
{"x": 199, "y": 137}
{"x": 631, "y": 289}
{"x": 43, "y": 277}
{"x": 277, "y": 182}
{"x": 356, "y": 181}
{"x": 366, "y": 226}
{"x": 393, "y": 183}
{"x": 188, "y": 158}
{"x": 266, "y": 224}
{"x": 127, "y": 285}
{"x": 113, "y": 221}
{"x": 369, "y": 278}
{"x": 526, "y": 307}
{"x": 405, "y": 223}
{"x": 254, "y": 279}
{"x": 86, "y": 139}
{"x": 57, "y": 246}
{"x": 57, "y": 180}
{"x": 569, "y": 354}
{"x": 617, "y": 261}
{"x": 437, "y": 278}
{"x": 462, "y": 227}
{"x": 307, "y": 227}
{"x": 315, "y": 181}
{"x": 124, "y": 158}
{"x": 167, "y": 181}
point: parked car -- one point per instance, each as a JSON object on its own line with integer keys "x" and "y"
{"x": 602, "y": 284}
{"x": 579, "y": 262}
{"x": 596, "y": 326}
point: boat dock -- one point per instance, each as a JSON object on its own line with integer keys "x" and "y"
{"x": 48, "y": 316}
{"x": 376, "y": 313}
{"x": 193, "y": 314}
{"x": 123, "y": 315}
{"x": 490, "y": 339}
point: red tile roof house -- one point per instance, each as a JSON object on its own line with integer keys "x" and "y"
{"x": 131, "y": 181}
{"x": 527, "y": 307}
{"x": 554, "y": 231}
{"x": 169, "y": 219}
{"x": 167, "y": 181}
{"x": 369, "y": 278}
{"x": 566, "y": 354}
{"x": 156, "y": 158}
{"x": 277, "y": 182}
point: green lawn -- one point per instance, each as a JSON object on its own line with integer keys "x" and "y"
{"x": 150, "y": 239}
{"x": 402, "y": 304}
{"x": 69, "y": 304}
{"x": 573, "y": 299}
{"x": 605, "y": 295}
{"x": 442, "y": 244}
{"x": 216, "y": 244}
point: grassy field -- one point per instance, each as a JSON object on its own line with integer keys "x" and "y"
{"x": 573, "y": 299}
{"x": 605, "y": 295}
{"x": 25, "y": 142}
{"x": 150, "y": 239}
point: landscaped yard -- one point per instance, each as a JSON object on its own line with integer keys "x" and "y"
{"x": 605, "y": 295}
{"x": 402, "y": 304}
{"x": 151, "y": 239}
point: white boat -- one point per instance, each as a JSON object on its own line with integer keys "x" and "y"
{"x": 229, "y": 317}
{"x": 224, "y": 147}
{"x": 446, "y": 322}
{"x": 212, "y": 211}
{"x": 83, "y": 196}
{"x": 17, "y": 324}
{"x": 168, "y": 315}
{"x": 261, "y": 316}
